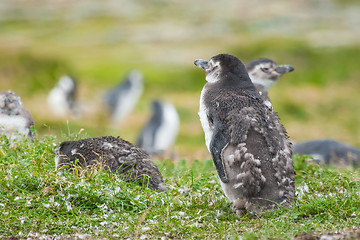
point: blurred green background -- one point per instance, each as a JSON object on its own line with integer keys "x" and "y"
{"x": 99, "y": 42}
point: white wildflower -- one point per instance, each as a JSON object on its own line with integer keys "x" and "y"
{"x": 181, "y": 213}
{"x": 301, "y": 190}
{"x": 117, "y": 189}
{"x": 68, "y": 205}
{"x": 143, "y": 237}
{"x": 2, "y": 205}
{"x": 145, "y": 229}
{"x": 17, "y": 198}
{"x": 104, "y": 223}
{"x": 47, "y": 205}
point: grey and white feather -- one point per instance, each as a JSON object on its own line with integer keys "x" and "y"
{"x": 264, "y": 72}
{"x": 122, "y": 99}
{"x": 329, "y": 152}
{"x": 62, "y": 100}
{"x": 15, "y": 121}
{"x": 249, "y": 146}
{"x": 160, "y": 132}
{"x": 116, "y": 155}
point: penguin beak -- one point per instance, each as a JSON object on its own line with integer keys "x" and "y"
{"x": 284, "y": 69}
{"x": 202, "y": 64}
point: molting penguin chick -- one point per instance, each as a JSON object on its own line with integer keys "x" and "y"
{"x": 122, "y": 99}
{"x": 329, "y": 152}
{"x": 161, "y": 131}
{"x": 62, "y": 98}
{"x": 264, "y": 73}
{"x": 15, "y": 121}
{"x": 249, "y": 146}
{"x": 117, "y": 155}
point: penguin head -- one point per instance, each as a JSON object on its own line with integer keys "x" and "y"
{"x": 10, "y": 102}
{"x": 66, "y": 84}
{"x": 222, "y": 65}
{"x": 266, "y": 72}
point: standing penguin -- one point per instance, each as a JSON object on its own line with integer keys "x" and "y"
{"x": 161, "y": 130}
{"x": 264, "y": 73}
{"x": 15, "y": 121}
{"x": 62, "y": 98}
{"x": 249, "y": 146}
{"x": 122, "y": 99}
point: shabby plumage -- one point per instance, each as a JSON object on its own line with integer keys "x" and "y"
{"x": 116, "y": 155}
{"x": 249, "y": 146}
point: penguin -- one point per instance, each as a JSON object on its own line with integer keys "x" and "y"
{"x": 329, "y": 152}
{"x": 250, "y": 148}
{"x": 264, "y": 72}
{"x": 118, "y": 156}
{"x": 15, "y": 121}
{"x": 161, "y": 130}
{"x": 62, "y": 98}
{"x": 122, "y": 99}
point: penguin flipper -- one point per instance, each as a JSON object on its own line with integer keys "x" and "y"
{"x": 216, "y": 148}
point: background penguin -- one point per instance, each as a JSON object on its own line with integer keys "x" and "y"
{"x": 161, "y": 130}
{"x": 249, "y": 146}
{"x": 117, "y": 155}
{"x": 329, "y": 152}
{"x": 15, "y": 121}
{"x": 62, "y": 98}
{"x": 123, "y": 98}
{"x": 264, "y": 73}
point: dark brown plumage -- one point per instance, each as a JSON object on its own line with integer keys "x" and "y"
{"x": 117, "y": 155}
{"x": 249, "y": 146}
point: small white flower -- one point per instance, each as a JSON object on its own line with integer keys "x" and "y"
{"x": 145, "y": 229}
{"x": 2, "y": 205}
{"x": 17, "y": 198}
{"x": 68, "y": 206}
{"x": 181, "y": 213}
{"x": 47, "y": 205}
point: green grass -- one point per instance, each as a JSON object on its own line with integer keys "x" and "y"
{"x": 34, "y": 198}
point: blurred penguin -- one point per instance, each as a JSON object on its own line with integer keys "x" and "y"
{"x": 62, "y": 98}
{"x": 15, "y": 121}
{"x": 160, "y": 133}
{"x": 329, "y": 152}
{"x": 122, "y": 99}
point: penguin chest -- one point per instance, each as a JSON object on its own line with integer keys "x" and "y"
{"x": 203, "y": 114}
{"x": 12, "y": 126}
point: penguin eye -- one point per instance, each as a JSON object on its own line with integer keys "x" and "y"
{"x": 265, "y": 69}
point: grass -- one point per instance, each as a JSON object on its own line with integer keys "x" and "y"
{"x": 35, "y": 199}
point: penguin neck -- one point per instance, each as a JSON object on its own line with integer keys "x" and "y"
{"x": 232, "y": 81}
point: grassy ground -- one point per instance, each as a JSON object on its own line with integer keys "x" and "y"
{"x": 320, "y": 99}
{"x": 34, "y": 199}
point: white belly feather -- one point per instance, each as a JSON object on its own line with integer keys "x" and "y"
{"x": 205, "y": 121}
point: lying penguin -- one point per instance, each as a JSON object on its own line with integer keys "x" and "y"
{"x": 160, "y": 133}
{"x": 329, "y": 152}
{"x": 15, "y": 121}
{"x": 249, "y": 146}
{"x": 117, "y": 155}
